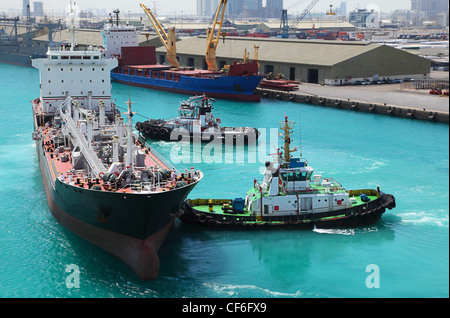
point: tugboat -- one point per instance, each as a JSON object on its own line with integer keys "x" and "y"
{"x": 101, "y": 181}
{"x": 195, "y": 123}
{"x": 291, "y": 196}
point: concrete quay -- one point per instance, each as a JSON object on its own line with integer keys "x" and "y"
{"x": 385, "y": 99}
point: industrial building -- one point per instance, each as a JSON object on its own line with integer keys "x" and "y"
{"x": 312, "y": 61}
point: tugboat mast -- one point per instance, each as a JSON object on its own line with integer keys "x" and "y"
{"x": 286, "y": 127}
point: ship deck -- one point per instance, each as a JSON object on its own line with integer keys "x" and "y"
{"x": 60, "y": 164}
{"x": 202, "y": 205}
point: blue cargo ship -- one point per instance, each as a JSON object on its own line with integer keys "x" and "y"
{"x": 138, "y": 67}
{"x": 238, "y": 83}
{"x": 191, "y": 82}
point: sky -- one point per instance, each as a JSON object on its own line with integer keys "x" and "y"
{"x": 169, "y": 7}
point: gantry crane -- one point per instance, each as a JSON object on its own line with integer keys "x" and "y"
{"x": 168, "y": 39}
{"x": 211, "y": 40}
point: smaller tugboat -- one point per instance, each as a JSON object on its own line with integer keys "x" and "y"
{"x": 290, "y": 195}
{"x": 195, "y": 123}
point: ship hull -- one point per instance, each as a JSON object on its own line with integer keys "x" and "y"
{"x": 129, "y": 226}
{"x": 18, "y": 58}
{"x": 355, "y": 216}
{"x": 227, "y": 87}
{"x": 167, "y": 134}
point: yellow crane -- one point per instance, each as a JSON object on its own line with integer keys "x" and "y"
{"x": 211, "y": 40}
{"x": 168, "y": 39}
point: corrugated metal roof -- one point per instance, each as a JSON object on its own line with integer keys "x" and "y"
{"x": 313, "y": 52}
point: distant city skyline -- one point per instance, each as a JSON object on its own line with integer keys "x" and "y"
{"x": 170, "y": 7}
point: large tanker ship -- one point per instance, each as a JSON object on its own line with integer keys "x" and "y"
{"x": 101, "y": 181}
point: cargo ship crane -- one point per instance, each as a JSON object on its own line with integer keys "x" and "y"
{"x": 211, "y": 40}
{"x": 168, "y": 39}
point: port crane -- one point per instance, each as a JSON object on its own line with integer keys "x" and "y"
{"x": 168, "y": 39}
{"x": 211, "y": 39}
{"x": 331, "y": 11}
{"x": 284, "y": 27}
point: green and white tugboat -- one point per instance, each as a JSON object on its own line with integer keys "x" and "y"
{"x": 290, "y": 195}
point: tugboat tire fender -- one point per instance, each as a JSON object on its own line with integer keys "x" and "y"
{"x": 147, "y": 129}
{"x": 201, "y": 218}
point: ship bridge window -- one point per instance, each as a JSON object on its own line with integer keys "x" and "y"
{"x": 303, "y": 176}
{"x": 96, "y": 57}
{"x": 86, "y": 57}
{"x": 64, "y": 57}
{"x": 296, "y": 176}
{"x": 54, "y": 57}
{"x": 76, "y": 57}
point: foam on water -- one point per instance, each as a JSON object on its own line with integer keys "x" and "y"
{"x": 230, "y": 290}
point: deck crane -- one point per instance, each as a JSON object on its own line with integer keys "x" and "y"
{"x": 211, "y": 40}
{"x": 168, "y": 39}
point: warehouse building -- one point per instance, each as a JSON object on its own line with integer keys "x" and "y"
{"x": 313, "y": 61}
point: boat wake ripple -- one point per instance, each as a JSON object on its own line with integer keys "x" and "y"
{"x": 232, "y": 290}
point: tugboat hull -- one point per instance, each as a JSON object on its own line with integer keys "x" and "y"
{"x": 197, "y": 212}
{"x": 159, "y": 132}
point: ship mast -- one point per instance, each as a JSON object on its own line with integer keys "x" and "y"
{"x": 71, "y": 21}
{"x": 129, "y": 162}
{"x": 286, "y": 128}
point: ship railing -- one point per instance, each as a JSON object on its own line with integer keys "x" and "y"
{"x": 335, "y": 184}
{"x": 157, "y": 186}
{"x": 157, "y": 155}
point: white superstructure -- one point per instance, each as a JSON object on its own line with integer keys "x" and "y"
{"x": 83, "y": 75}
{"x": 117, "y": 36}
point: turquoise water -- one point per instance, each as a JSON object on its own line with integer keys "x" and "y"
{"x": 409, "y": 246}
